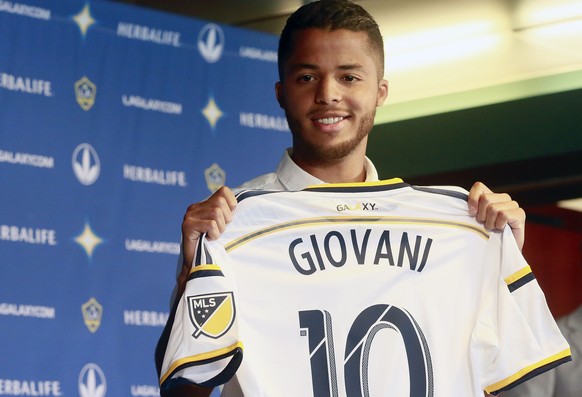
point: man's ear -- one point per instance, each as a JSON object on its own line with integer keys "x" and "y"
{"x": 382, "y": 92}
{"x": 279, "y": 93}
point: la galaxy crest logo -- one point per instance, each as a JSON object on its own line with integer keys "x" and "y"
{"x": 92, "y": 314}
{"x": 215, "y": 177}
{"x": 211, "y": 43}
{"x": 211, "y": 314}
{"x": 86, "y": 92}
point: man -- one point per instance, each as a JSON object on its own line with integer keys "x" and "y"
{"x": 331, "y": 67}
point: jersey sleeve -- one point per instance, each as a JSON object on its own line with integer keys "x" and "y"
{"x": 516, "y": 336}
{"x": 203, "y": 346}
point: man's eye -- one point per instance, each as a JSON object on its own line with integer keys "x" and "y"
{"x": 350, "y": 78}
{"x": 306, "y": 78}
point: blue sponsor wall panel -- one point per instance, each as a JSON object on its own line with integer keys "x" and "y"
{"x": 113, "y": 119}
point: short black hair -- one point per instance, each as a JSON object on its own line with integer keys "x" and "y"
{"x": 331, "y": 15}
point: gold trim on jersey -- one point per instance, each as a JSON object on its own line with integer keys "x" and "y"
{"x": 523, "y": 372}
{"x": 352, "y": 219}
{"x": 356, "y": 184}
{"x": 208, "y": 266}
{"x": 517, "y": 275}
{"x": 200, "y": 357}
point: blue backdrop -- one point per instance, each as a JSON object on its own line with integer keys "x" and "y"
{"x": 113, "y": 119}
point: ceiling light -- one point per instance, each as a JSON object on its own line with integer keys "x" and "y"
{"x": 574, "y": 204}
{"x": 537, "y": 13}
{"x": 439, "y": 54}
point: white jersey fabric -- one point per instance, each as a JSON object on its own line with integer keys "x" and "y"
{"x": 371, "y": 289}
{"x": 566, "y": 380}
{"x": 288, "y": 176}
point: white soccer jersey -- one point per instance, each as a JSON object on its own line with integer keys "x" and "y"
{"x": 373, "y": 289}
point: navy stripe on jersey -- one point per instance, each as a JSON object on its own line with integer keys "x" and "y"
{"x": 202, "y": 254}
{"x": 535, "y": 372}
{"x": 252, "y": 193}
{"x": 357, "y": 187}
{"x": 519, "y": 278}
{"x": 521, "y": 282}
{"x": 221, "y": 378}
{"x": 444, "y": 192}
{"x": 377, "y": 186}
{"x": 198, "y": 272}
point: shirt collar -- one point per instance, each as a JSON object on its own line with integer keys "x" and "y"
{"x": 293, "y": 177}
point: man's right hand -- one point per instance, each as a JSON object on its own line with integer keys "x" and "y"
{"x": 209, "y": 216}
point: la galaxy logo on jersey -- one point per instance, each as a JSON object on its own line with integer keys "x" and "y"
{"x": 211, "y": 314}
{"x": 357, "y": 207}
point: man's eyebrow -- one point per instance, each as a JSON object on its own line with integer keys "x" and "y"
{"x": 300, "y": 66}
{"x": 309, "y": 66}
{"x": 351, "y": 67}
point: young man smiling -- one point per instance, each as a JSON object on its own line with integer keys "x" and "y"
{"x": 331, "y": 68}
{"x": 330, "y": 87}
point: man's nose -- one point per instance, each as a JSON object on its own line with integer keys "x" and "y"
{"x": 328, "y": 91}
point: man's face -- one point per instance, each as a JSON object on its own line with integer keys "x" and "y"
{"x": 330, "y": 93}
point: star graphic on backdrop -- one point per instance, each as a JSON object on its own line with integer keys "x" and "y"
{"x": 212, "y": 112}
{"x": 84, "y": 19}
{"x": 88, "y": 240}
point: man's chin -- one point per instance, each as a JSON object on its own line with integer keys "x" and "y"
{"x": 332, "y": 153}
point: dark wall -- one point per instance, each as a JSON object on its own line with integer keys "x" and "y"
{"x": 531, "y": 147}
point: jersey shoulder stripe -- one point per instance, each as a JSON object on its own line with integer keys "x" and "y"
{"x": 443, "y": 191}
{"x": 519, "y": 279}
{"x": 359, "y": 187}
{"x": 362, "y": 220}
{"x": 244, "y": 194}
{"x": 205, "y": 271}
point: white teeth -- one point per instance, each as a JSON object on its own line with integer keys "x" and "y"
{"x": 330, "y": 120}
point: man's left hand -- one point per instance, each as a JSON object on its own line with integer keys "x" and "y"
{"x": 496, "y": 210}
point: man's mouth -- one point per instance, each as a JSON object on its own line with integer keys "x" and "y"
{"x": 330, "y": 120}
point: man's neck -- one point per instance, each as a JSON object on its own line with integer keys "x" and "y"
{"x": 338, "y": 171}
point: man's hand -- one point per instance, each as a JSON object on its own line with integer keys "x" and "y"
{"x": 496, "y": 210}
{"x": 209, "y": 216}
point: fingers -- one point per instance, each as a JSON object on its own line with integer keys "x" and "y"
{"x": 475, "y": 193}
{"x": 496, "y": 210}
{"x": 495, "y": 215}
{"x": 209, "y": 216}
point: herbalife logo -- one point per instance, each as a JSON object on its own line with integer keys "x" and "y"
{"x": 86, "y": 164}
{"x": 211, "y": 42}
{"x": 92, "y": 381}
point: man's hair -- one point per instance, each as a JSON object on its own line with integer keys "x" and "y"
{"x": 331, "y": 15}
